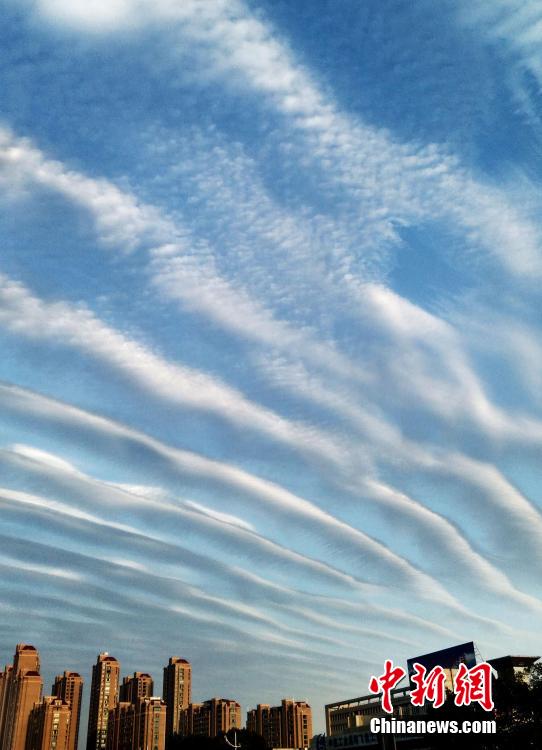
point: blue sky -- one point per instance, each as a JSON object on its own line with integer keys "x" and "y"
{"x": 270, "y": 381}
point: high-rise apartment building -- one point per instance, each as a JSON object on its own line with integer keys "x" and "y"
{"x": 296, "y": 723}
{"x": 69, "y": 688}
{"x": 191, "y": 720}
{"x": 120, "y": 728}
{"x": 49, "y": 725}
{"x": 21, "y": 688}
{"x": 140, "y": 725}
{"x": 211, "y": 717}
{"x": 138, "y": 685}
{"x": 5, "y": 678}
{"x": 288, "y": 725}
{"x": 26, "y": 659}
{"x": 150, "y": 724}
{"x": 266, "y": 721}
{"x": 177, "y": 692}
{"x": 103, "y": 697}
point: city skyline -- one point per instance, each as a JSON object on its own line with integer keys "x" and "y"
{"x": 128, "y": 715}
{"x": 270, "y": 336}
{"x": 108, "y": 690}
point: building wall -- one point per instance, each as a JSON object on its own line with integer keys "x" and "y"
{"x": 357, "y": 713}
{"x": 211, "y": 717}
{"x": 103, "y": 697}
{"x": 49, "y": 725}
{"x": 5, "y": 679}
{"x": 120, "y": 727}
{"x": 24, "y": 693}
{"x": 286, "y": 726}
{"x": 225, "y": 715}
{"x": 192, "y": 720}
{"x": 22, "y": 689}
{"x": 26, "y": 659}
{"x": 69, "y": 687}
{"x": 140, "y": 725}
{"x": 150, "y": 724}
{"x": 296, "y": 723}
{"x": 138, "y": 685}
{"x": 177, "y": 692}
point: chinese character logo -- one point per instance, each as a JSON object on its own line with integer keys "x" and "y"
{"x": 473, "y": 686}
{"x": 386, "y": 682}
{"x": 429, "y": 687}
{"x": 470, "y": 685}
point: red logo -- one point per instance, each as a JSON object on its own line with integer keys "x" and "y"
{"x": 386, "y": 682}
{"x": 470, "y": 685}
{"x": 430, "y": 688}
{"x": 473, "y": 686}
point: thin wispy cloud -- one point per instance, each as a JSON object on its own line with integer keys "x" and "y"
{"x": 193, "y": 277}
{"x": 412, "y": 182}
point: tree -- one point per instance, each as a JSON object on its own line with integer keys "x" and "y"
{"x": 518, "y": 714}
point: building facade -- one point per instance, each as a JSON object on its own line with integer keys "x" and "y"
{"x": 5, "y": 679}
{"x": 149, "y": 724}
{"x": 296, "y": 723}
{"x": 265, "y": 720}
{"x": 69, "y": 687}
{"x": 138, "y": 685}
{"x": 177, "y": 692}
{"x": 49, "y": 725}
{"x": 120, "y": 727}
{"x": 103, "y": 698}
{"x": 140, "y": 725}
{"x": 514, "y": 667}
{"x": 211, "y": 717}
{"x": 286, "y": 726}
{"x": 22, "y": 688}
{"x": 348, "y": 722}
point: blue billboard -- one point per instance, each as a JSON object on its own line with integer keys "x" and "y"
{"x": 449, "y": 658}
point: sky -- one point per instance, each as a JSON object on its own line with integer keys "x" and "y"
{"x": 271, "y": 364}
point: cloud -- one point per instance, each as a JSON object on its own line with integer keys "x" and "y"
{"x": 370, "y": 506}
{"x": 516, "y": 23}
{"x": 225, "y": 517}
{"x": 94, "y": 15}
{"x": 436, "y": 530}
{"x": 36, "y": 454}
{"x": 398, "y": 182}
{"x": 24, "y": 314}
{"x": 379, "y": 564}
{"x": 180, "y": 266}
{"x": 430, "y": 349}
{"x": 157, "y": 587}
{"x": 284, "y": 504}
{"x": 512, "y": 29}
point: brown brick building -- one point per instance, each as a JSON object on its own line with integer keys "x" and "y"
{"x": 21, "y": 688}
{"x": 5, "y": 679}
{"x": 69, "y": 687}
{"x": 103, "y": 698}
{"x": 266, "y": 721}
{"x": 138, "y": 685}
{"x": 211, "y": 717}
{"x": 120, "y": 727}
{"x": 150, "y": 724}
{"x": 177, "y": 692}
{"x": 49, "y": 725}
{"x": 140, "y": 725}
{"x": 288, "y": 725}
